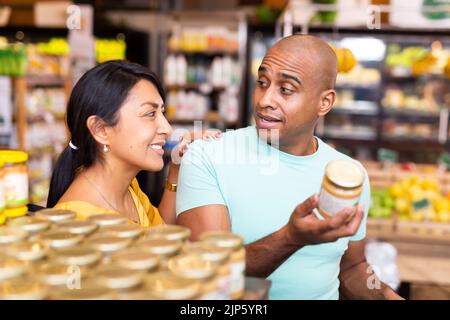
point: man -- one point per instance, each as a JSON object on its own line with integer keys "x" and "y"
{"x": 252, "y": 180}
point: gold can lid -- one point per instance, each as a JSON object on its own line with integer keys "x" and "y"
{"x": 108, "y": 219}
{"x": 136, "y": 259}
{"x": 58, "y": 274}
{"x": 222, "y": 239}
{"x": 11, "y": 267}
{"x": 56, "y": 215}
{"x": 107, "y": 243}
{"x": 27, "y": 251}
{"x": 115, "y": 277}
{"x": 165, "y": 285}
{"x": 160, "y": 246}
{"x": 78, "y": 256}
{"x": 87, "y": 291}
{"x": 23, "y": 289}
{"x": 57, "y": 239}
{"x": 30, "y": 224}
{"x": 122, "y": 230}
{"x": 345, "y": 173}
{"x": 78, "y": 227}
{"x": 191, "y": 266}
{"x": 10, "y": 235}
{"x": 169, "y": 232}
{"x": 207, "y": 251}
{"x": 136, "y": 295}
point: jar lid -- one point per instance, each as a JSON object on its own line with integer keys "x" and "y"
{"x": 10, "y": 235}
{"x": 107, "y": 243}
{"x": 115, "y": 277}
{"x": 23, "y": 289}
{"x": 207, "y": 251}
{"x": 165, "y": 285}
{"x": 56, "y": 215}
{"x": 345, "y": 173}
{"x": 16, "y": 212}
{"x": 78, "y": 227}
{"x": 160, "y": 246}
{"x": 60, "y": 239}
{"x": 30, "y": 224}
{"x": 79, "y": 256}
{"x": 169, "y": 232}
{"x": 58, "y": 274}
{"x": 136, "y": 259}
{"x": 136, "y": 295}
{"x": 191, "y": 266}
{"x": 222, "y": 239}
{"x": 122, "y": 230}
{"x": 27, "y": 251}
{"x": 13, "y": 156}
{"x": 108, "y": 219}
{"x": 11, "y": 267}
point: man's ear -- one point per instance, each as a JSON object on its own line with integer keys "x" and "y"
{"x": 326, "y": 101}
{"x": 97, "y": 128}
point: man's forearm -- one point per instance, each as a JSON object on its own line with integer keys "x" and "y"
{"x": 267, "y": 254}
{"x": 360, "y": 282}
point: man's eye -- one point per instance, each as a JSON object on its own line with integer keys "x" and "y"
{"x": 261, "y": 83}
{"x": 286, "y": 90}
{"x": 150, "y": 114}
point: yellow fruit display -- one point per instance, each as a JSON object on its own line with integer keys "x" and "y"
{"x": 346, "y": 59}
{"x": 447, "y": 68}
{"x": 419, "y": 199}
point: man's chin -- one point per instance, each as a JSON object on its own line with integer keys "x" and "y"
{"x": 271, "y": 136}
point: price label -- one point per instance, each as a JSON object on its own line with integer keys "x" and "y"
{"x": 386, "y": 155}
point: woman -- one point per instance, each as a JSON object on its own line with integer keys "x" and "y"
{"x": 115, "y": 116}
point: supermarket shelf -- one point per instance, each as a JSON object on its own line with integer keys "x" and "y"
{"x": 410, "y": 144}
{"x": 211, "y": 52}
{"x": 202, "y": 87}
{"x": 405, "y": 112}
{"x": 45, "y": 80}
{"x": 357, "y": 87}
{"x": 358, "y": 108}
{"x": 366, "y": 136}
{"x": 210, "y": 117}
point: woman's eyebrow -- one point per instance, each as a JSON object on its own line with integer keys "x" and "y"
{"x": 153, "y": 104}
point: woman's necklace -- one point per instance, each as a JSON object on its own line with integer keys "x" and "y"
{"x": 101, "y": 194}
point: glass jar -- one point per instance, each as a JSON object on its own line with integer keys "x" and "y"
{"x": 107, "y": 244}
{"x": 2, "y": 195}
{"x": 341, "y": 187}
{"x": 169, "y": 232}
{"x": 27, "y": 251}
{"x": 10, "y": 235}
{"x": 15, "y": 180}
{"x": 218, "y": 255}
{"x": 130, "y": 231}
{"x": 136, "y": 259}
{"x": 23, "y": 289}
{"x": 103, "y": 220}
{"x": 56, "y": 215}
{"x": 60, "y": 275}
{"x": 58, "y": 239}
{"x": 11, "y": 267}
{"x": 236, "y": 261}
{"x": 83, "y": 228}
{"x": 166, "y": 286}
{"x": 161, "y": 247}
{"x": 118, "y": 278}
{"x": 31, "y": 225}
{"x": 78, "y": 256}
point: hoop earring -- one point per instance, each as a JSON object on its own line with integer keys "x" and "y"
{"x": 105, "y": 148}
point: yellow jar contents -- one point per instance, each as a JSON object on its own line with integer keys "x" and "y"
{"x": 166, "y": 286}
{"x": 236, "y": 261}
{"x": 191, "y": 266}
{"x": 23, "y": 289}
{"x": 15, "y": 178}
{"x": 341, "y": 187}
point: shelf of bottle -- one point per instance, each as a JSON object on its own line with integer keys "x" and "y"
{"x": 207, "y": 52}
{"x": 44, "y": 80}
{"x": 368, "y": 108}
{"x": 202, "y": 87}
{"x": 43, "y": 118}
{"x": 357, "y": 86}
{"x": 409, "y": 112}
{"x": 210, "y": 117}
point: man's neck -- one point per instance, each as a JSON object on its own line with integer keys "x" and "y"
{"x": 304, "y": 147}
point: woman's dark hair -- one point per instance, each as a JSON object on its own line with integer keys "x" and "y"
{"x": 101, "y": 92}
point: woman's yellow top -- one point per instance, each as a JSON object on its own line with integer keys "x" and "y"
{"x": 148, "y": 214}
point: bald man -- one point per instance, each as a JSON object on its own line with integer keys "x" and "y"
{"x": 261, "y": 182}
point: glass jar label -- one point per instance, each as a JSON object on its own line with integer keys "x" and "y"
{"x": 331, "y": 204}
{"x": 16, "y": 189}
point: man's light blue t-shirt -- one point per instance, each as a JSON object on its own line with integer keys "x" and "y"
{"x": 261, "y": 186}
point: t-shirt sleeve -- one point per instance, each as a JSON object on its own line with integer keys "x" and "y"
{"x": 197, "y": 181}
{"x": 365, "y": 200}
